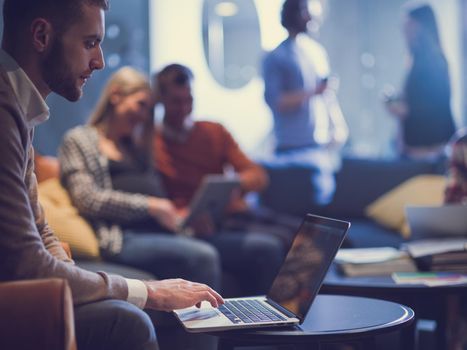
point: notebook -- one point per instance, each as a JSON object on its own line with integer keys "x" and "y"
{"x": 432, "y": 221}
{"x": 212, "y": 197}
{"x": 292, "y": 292}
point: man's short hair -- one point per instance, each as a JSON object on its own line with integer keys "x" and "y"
{"x": 289, "y": 13}
{"x": 18, "y": 14}
{"x": 173, "y": 74}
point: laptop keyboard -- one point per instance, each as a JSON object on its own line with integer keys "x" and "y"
{"x": 249, "y": 311}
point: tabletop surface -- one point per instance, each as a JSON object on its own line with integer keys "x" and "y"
{"x": 334, "y": 280}
{"x": 337, "y": 316}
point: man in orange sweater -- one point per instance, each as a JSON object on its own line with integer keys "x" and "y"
{"x": 185, "y": 151}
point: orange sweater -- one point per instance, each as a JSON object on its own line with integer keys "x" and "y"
{"x": 207, "y": 150}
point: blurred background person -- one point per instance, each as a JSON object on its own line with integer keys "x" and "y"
{"x": 307, "y": 117}
{"x": 456, "y": 188}
{"x": 106, "y": 167}
{"x": 185, "y": 151}
{"x": 424, "y": 106}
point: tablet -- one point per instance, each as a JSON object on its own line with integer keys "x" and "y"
{"x": 212, "y": 198}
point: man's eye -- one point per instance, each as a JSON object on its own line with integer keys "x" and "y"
{"x": 90, "y": 44}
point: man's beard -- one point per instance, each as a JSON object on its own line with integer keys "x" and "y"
{"x": 58, "y": 75}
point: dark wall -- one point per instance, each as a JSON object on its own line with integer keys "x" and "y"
{"x": 464, "y": 52}
{"x": 126, "y": 43}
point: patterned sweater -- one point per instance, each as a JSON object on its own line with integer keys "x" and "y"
{"x": 84, "y": 172}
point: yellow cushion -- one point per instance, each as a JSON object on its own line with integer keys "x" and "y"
{"x": 64, "y": 219}
{"x": 389, "y": 209}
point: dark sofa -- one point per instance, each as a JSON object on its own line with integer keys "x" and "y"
{"x": 359, "y": 182}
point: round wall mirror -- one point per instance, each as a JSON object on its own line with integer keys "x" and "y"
{"x": 232, "y": 41}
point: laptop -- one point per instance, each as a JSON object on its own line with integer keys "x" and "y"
{"x": 435, "y": 221}
{"x": 295, "y": 287}
{"x": 212, "y": 197}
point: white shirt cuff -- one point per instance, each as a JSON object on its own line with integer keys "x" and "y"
{"x": 137, "y": 292}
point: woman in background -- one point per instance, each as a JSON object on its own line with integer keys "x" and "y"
{"x": 107, "y": 169}
{"x": 424, "y": 107}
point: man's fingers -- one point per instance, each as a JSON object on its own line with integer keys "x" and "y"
{"x": 178, "y": 293}
{"x": 204, "y": 287}
{"x": 206, "y": 296}
{"x": 216, "y": 295}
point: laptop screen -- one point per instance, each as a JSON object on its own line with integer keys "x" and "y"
{"x": 303, "y": 271}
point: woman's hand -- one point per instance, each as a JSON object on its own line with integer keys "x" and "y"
{"x": 396, "y": 106}
{"x": 203, "y": 225}
{"x": 164, "y": 212}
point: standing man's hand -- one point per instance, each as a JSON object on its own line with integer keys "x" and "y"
{"x": 321, "y": 86}
{"x": 172, "y": 294}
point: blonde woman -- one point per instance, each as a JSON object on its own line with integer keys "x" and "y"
{"x": 107, "y": 169}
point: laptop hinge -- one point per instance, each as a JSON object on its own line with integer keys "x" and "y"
{"x": 282, "y": 309}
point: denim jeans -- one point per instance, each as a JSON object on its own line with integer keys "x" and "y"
{"x": 171, "y": 256}
{"x": 113, "y": 325}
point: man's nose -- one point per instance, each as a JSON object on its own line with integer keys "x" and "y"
{"x": 98, "y": 62}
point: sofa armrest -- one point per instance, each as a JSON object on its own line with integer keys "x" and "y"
{"x": 36, "y": 314}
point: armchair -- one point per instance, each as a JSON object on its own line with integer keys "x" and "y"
{"x": 36, "y": 314}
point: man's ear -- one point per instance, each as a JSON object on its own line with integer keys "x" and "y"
{"x": 41, "y": 31}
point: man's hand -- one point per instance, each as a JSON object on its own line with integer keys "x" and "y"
{"x": 321, "y": 86}
{"x": 172, "y": 294}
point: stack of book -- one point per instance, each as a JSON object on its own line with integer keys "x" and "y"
{"x": 373, "y": 261}
{"x": 430, "y": 279}
{"x": 439, "y": 254}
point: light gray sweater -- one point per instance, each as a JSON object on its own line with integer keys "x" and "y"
{"x": 28, "y": 247}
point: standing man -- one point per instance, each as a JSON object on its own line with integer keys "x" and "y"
{"x": 296, "y": 89}
{"x": 54, "y": 46}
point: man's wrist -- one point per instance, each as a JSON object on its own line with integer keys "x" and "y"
{"x": 137, "y": 292}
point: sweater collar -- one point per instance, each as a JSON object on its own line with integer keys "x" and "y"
{"x": 30, "y": 100}
{"x": 176, "y": 135}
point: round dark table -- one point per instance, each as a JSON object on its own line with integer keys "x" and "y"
{"x": 332, "y": 319}
{"x": 439, "y": 303}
